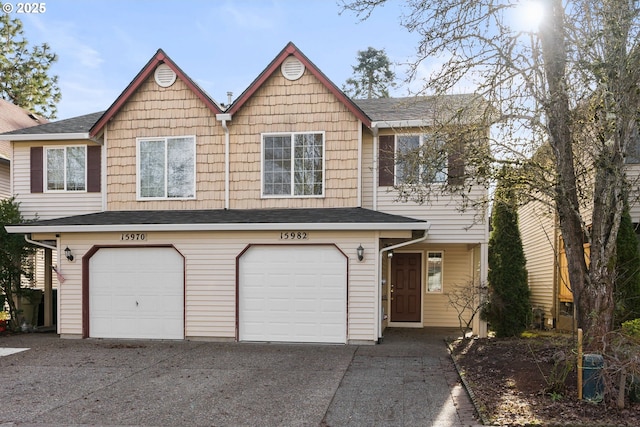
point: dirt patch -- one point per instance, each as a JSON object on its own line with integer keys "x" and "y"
{"x": 532, "y": 381}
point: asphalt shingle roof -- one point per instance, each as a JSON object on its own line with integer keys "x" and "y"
{"x": 418, "y": 107}
{"x": 13, "y": 117}
{"x": 80, "y": 124}
{"x": 231, "y": 216}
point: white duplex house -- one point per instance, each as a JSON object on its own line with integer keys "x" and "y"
{"x": 168, "y": 216}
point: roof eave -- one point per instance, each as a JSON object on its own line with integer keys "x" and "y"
{"x": 387, "y": 124}
{"x": 30, "y": 229}
{"x": 45, "y": 136}
{"x": 141, "y": 77}
{"x": 292, "y": 49}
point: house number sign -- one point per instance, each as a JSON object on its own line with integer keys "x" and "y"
{"x": 129, "y": 237}
{"x": 294, "y": 235}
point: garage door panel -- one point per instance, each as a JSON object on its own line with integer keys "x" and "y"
{"x": 136, "y": 293}
{"x": 301, "y": 289}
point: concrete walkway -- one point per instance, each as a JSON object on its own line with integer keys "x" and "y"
{"x": 407, "y": 380}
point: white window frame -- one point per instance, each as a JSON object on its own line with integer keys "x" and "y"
{"x": 422, "y": 139}
{"x": 46, "y": 168}
{"x": 427, "y": 289}
{"x": 292, "y": 171}
{"x": 139, "y": 196}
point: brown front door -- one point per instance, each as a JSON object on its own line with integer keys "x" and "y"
{"x": 406, "y": 291}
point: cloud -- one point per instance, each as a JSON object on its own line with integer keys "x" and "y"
{"x": 257, "y": 16}
{"x": 63, "y": 39}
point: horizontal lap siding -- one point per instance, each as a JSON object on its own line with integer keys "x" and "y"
{"x": 48, "y": 205}
{"x": 448, "y": 224}
{"x": 457, "y": 271}
{"x": 536, "y": 222}
{"x": 211, "y": 278}
{"x": 633, "y": 173}
{"x": 5, "y": 183}
{"x": 304, "y": 105}
{"x": 160, "y": 112}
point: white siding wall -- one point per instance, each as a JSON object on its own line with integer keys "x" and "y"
{"x": 536, "y": 223}
{"x": 211, "y": 277}
{"x": 5, "y": 184}
{"x": 448, "y": 224}
{"x": 633, "y": 175}
{"x": 47, "y": 205}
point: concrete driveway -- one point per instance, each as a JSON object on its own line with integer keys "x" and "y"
{"x": 407, "y": 380}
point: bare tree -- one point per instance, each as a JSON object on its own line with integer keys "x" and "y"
{"x": 567, "y": 105}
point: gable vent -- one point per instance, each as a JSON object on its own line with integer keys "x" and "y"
{"x": 164, "y": 75}
{"x": 292, "y": 68}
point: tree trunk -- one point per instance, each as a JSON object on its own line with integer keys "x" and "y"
{"x": 558, "y": 117}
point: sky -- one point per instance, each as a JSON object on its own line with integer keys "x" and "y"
{"x": 223, "y": 45}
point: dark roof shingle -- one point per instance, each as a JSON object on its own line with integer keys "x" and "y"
{"x": 420, "y": 107}
{"x": 80, "y": 124}
{"x": 231, "y": 216}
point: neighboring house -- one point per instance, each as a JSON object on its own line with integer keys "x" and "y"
{"x": 274, "y": 219}
{"x": 548, "y": 274}
{"x": 12, "y": 118}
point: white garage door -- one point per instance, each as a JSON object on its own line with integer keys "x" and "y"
{"x": 136, "y": 293}
{"x": 293, "y": 294}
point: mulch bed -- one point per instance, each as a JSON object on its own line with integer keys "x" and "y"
{"x": 523, "y": 381}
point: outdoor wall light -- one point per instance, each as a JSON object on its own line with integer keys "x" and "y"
{"x": 390, "y": 254}
{"x": 68, "y": 254}
{"x": 360, "y": 252}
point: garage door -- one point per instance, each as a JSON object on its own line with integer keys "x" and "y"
{"x": 136, "y": 293}
{"x": 293, "y": 294}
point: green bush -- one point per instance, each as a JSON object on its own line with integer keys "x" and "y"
{"x": 509, "y": 307}
{"x": 632, "y": 328}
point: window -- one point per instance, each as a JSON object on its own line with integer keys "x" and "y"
{"x": 293, "y": 164}
{"x": 434, "y": 272}
{"x": 166, "y": 168}
{"x": 420, "y": 159}
{"x": 66, "y": 168}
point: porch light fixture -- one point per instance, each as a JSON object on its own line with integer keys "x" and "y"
{"x": 390, "y": 254}
{"x": 360, "y": 252}
{"x": 68, "y": 254}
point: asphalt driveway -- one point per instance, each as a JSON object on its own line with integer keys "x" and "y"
{"x": 407, "y": 380}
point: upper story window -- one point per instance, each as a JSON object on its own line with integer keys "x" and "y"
{"x": 66, "y": 168}
{"x": 420, "y": 159}
{"x": 293, "y": 164}
{"x": 407, "y": 159}
{"x": 166, "y": 167}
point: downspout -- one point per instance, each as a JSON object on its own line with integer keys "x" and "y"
{"x": 44, "y": 245}
{"x": 381, "y": 259}
{"x": 376, "y": 153}
{"x": 223, "y": 118}
{"x": 359, "y": 202}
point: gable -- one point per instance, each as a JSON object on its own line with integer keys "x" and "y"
{"x": 275, "y": 67}
{"x": 143, "y": 76}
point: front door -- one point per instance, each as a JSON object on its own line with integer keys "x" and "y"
{"x": 406, "y": 289}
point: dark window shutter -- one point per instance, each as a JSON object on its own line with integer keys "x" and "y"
{"x": 455, "y": 165}
{"x": 37, "y": 177}
{"x": 386, "y": 160}
{"x": 94, "y": 159}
